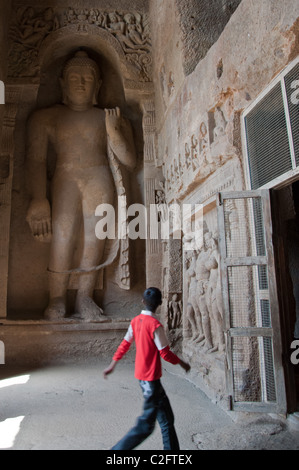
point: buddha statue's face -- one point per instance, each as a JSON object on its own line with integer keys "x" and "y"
{"x": 80, "y": 87}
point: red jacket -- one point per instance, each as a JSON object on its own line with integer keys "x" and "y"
{"x": 151, "y": 345}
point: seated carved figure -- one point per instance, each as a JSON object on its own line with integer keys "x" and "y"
{"x": 80, "y": 133}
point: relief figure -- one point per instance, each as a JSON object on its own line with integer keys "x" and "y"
{"x": 202, "y": 277}
{"x": 214, "y": 294}
{"x": 193, "y": 314}
{"x": 174, "y": 312}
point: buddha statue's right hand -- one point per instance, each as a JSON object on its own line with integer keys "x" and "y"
{"x": 39, "y": 219}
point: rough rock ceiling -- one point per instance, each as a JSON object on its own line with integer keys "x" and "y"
{"x": 202, "y": 22}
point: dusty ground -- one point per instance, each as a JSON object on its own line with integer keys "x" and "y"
{"x": 72, "y": 407}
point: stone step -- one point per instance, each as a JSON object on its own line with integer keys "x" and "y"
{"x": 40, "y": 342}
{"x": 293, "y": 420}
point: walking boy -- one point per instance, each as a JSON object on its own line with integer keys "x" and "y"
{"x": 151, "y": 344}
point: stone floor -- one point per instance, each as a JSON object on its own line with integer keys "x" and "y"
{"x": 72, "y": 407}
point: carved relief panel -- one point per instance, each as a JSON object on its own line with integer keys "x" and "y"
{"x": 32, "y": 26}
{"x": 203, "y": 308}
{"x": 205, "y": 151}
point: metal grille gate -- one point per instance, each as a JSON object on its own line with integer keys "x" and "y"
{"x": 251, "y": 316}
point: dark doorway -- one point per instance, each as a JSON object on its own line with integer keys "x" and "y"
{"x": 285, "y": 213}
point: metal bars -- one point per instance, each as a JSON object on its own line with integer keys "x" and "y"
{"x": 251, "y": 317}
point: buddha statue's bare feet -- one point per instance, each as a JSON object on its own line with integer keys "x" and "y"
{"x": 86, "y": 309}
{"x": 56, "y": 309}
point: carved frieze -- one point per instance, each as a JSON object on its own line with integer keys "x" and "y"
{"x": 32, "y": 25}
{"x": 30, "y": 28}
{"x": 203, "y": 153}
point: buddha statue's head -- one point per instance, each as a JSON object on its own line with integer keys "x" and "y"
{"x": 80, "y": 81}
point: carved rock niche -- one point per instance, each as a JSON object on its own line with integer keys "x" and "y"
{"x": 27, "y": 292}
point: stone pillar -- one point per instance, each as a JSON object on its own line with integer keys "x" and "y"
{"x": 4, "y": 16}
{"x": 152, "y": 178}
{"x": 6, "y": 114}
{"x": 6, "y": 175}
{"x": 5, "y": 8}
{"x": 14, "y": 97}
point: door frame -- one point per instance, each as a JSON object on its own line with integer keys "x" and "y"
{"x": 284, "y": 283}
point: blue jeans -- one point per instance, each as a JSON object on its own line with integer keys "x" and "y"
{"x": 156, "y": 406}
